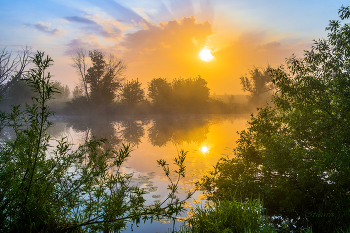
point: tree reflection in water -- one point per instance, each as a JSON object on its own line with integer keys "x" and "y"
{"x": 132, "y": 130}
{"x": 179, "y": 129}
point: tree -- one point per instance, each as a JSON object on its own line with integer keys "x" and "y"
{"x": 63, "y": 91}
{"x": 257, "y": 84}
{"x": 296, "y": 155}
{"x": 132, "y": 93}
{"x": 11, "y": 70}
{"x": 79, "y": 64}
{"x": 190, "y": 94}
{"x": 77, "y": 92}
{"x": 104, "y": 77}
{"x": 160, "y": 92}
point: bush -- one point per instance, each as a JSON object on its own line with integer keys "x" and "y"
{"x": 230, "y": 217}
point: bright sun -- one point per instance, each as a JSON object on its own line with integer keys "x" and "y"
{"x": 204, "y": 149}
{"x": 205, "y": 55}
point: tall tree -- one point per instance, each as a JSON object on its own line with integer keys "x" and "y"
{"x": 79, "y": 63}
{"x": 296, "y": 156}
{"x": 104, "y": 77}
{"x": 132, "y": 93}
{"x": 257, "y": 84}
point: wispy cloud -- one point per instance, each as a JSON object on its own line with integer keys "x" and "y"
{"x": 102, "y": 28}
{"x": 75, "y": 44}
{"x": 45, "y": 27}
{"x": 79, "y": 19}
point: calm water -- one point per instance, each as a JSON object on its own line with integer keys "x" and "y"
{"x": 206, "y": 138}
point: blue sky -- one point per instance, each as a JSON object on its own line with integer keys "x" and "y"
{"x": 163, "y": 38}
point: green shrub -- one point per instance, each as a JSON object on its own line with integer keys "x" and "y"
{"x": 229, "y": 216}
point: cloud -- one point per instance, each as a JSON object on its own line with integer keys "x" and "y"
{"x": 45, "y": 27}
{"x": 78, "y": 19}
{"x": 168, "y": 37}
{"x": 76, "y": 44}
{"x": 102, "y": 28}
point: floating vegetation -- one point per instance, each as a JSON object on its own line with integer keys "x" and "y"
{"x": 164, "y": 220}
{"x": 153, "y": 189}
{"x": 151, "y": 173}
{"x": 155, "y": 196}
{"x": 146, "y": 191}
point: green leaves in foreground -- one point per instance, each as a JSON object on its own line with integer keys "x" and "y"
{"x": 45, "y": 189}
{"x": 229, "y": 217}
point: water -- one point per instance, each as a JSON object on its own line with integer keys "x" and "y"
{"x": 206, "y": 138}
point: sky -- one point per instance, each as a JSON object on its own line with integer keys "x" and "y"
{"x": 163, "y": 38}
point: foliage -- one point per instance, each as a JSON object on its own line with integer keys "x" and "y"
{"x": 132, "y": 93}
{"x": 18, "y": 92}
{"x": 295, "y": 156}
{"x": 257, "y": 84}
{"x": 182, "y": 95}
{"x": 160, "y": 93}
{"x": 62, "y": 91}
{"x": 230, "y": 217}
{"x": 77, "y": 92}
{"x": 47, "y": 189}
{"x": 104, "y": 77}
{"x": 191, "y": 93}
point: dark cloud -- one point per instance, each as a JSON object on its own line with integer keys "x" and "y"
{"x": 45, "y": 27}
{"x": 78, "y": 19}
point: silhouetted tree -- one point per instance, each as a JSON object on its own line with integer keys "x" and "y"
{"x": 160, "y": 92}
{"x": 19, "y": 92}
{"x": 77, "y": 92}
{"x": 132, "y": 93}
{"x": 63, "y": 91}
{"x": 190, "y": 94}
{"x": 11, "y": 70}
{"x": 104, "y": 77}
{"x": 257, "y": 84}
{"x": 79, "y": 63}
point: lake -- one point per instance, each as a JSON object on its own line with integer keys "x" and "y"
{"x": 207, "y": 138}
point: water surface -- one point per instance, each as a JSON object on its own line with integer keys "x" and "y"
{"x": 206, "y": 138}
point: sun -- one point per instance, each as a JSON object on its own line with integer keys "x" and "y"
{"x": 205, "y": 55}
{"x": 204, "y": 149}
